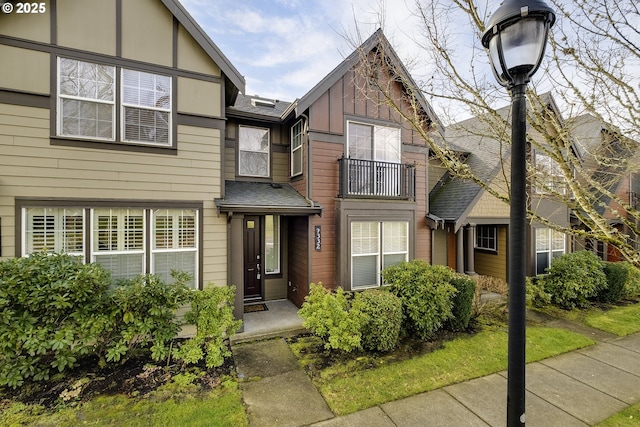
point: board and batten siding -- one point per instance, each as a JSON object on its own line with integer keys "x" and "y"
{"x": 31, "y": 167}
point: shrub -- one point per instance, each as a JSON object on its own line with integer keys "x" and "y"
{"x": 141, "y": 311}
{"x": 462, "y": 302}
{"x": 50, "y": 314}
{"x": 212, "y": 313}
{"x": 574, "y": 279}
{"x": 326, "y": 314}
{"x": 536, "y": 295}
{"x": 382, "y": 312}
{"x": 616, "y": 275}
{"x": 632, "y": 285}
{"x": 426, "y": 294}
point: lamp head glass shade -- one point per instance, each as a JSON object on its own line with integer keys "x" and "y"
{"x": 516, "y": 37}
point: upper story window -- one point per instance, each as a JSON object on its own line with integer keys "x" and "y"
{"x": 549, "y": 176}
{"x": 373, "y": 142}
{"x": 254, "y": 151}
{"x": 87, "y": 103}
{"x": 296, "y": 148}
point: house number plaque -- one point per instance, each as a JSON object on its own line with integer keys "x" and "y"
{"x": 318, "y": 233}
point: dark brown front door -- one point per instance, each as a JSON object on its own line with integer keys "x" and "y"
{"x": 252, "y": 261}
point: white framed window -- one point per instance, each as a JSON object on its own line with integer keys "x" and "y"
{"x": 549, "y": 175}
{"x": 126, "y": 241}
{"x": 487, "y": 237}
{"x": 297, "y": 134}
{"x": 86, "y": 99}
{"x": 146, "y": 107}
{"x": 53, "y": 230}
{"x": 118, "y": 241}
{"x": 376, "y": 245}
{"x": 272, "y": 244}
{"x": 174, "y": 242}
{"x": 87, "y": 103}
{"x": 254, "y": 151}
{"x": 550, "y": 244}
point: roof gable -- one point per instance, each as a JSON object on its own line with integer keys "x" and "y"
{"x": 375, "y": 41}
{"x": 216, "y": 55}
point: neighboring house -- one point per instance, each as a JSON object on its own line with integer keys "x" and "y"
{"x": 330, "y": 188}
{"x": 596, "y": 142}
{"x": 471, "y": 225}
{"x": 112, "y": 126}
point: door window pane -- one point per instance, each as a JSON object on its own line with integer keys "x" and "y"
{"x": 272, "y": 244}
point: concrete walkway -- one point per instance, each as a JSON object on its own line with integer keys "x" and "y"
{"x": 579, "y": 388}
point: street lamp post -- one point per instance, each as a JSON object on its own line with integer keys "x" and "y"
{"x": 516, "y": 37}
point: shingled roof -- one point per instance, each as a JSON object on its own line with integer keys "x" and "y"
{"x": 265, "y": 198}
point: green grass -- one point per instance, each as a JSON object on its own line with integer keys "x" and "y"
{"x": 348, "y": 389}
{"x": 627, "y": 417}
{"x": 621, "y": 321}
{"x": 220, "y": 407}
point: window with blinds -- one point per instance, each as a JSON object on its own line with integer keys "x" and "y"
{"x": 174, "y": 242}
{"x": 54, "y": 230}
{"x": 87, "y": 103}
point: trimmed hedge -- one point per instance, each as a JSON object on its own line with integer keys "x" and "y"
{"x": 616, "y": 274}
{"x": 383, "y": 319}
{"x": 462, "y": 302}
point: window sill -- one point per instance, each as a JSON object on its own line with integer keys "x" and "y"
{"x": 113, "y": 145}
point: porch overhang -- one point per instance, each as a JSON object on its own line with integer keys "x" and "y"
{"x": 265, "y": 199}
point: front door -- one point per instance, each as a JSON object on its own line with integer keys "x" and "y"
{"x": 252, "y": 258}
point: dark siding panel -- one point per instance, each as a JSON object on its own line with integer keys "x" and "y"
{"x": 319, "y": 114}
{"x": 336, "y": 95}
{"x": 298, "y": 259}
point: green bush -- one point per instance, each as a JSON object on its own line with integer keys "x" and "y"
{"x": 462, "y": 302}
{"x": 632, "y": 285}
{"x": 212, "y": 313}
{"x": 50, "y": 314}
{"x": 426, "y": 293}
{"x": 616, "y": 274}
{"x": 141, "y": 311}
{"x": 536, "y": 295}
{"x": 382, "y": 313}
{"x": 327, "y": 314}
{"x": 574, "y": 279}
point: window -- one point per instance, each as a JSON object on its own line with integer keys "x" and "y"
{"x": 118, "y": 239}
{"x": 253, "y": 152}
{"x": 86, "y": 99}
{"x": 146, "y": 107}
{"x": 54, "y": 230}
{"x": 549, "y": 176}
{"x": 375, "y": 154}
{"x": 296, "y": 148}
{"x": 174, "y": 242}
{"x": 272, "y": 244}
{"x": 550, "y": 244}
{"x": 374, "y": 246}
{"x": 487, "y": 237}
{"x": 87, "y": 103}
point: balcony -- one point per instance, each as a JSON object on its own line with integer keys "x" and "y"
{"x": 378, "y": 180}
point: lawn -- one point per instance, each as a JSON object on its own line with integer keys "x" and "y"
{"x": 627, "y": 417}
{"x": 619, "y": 320}
{"x": 352, "y": 384}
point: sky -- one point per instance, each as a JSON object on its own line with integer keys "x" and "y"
{"x": 284, "y": 47}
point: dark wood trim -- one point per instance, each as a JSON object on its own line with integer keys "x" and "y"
{"x": 112, "y": 145}
{"x": 107, "y": 59}
{"x": 174, "y": 43}
{"x": 53, "y": 24}
{"x": 25, "y": 99}
{"x": 119, "y": 28}
{"x": 53, "y": 98}
{"x": 201, "y": 121}
{"x": 327, "y": 137}
{"x": 279, "y": 148}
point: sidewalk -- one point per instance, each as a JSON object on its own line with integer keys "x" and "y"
{"x": 579, "y": 388}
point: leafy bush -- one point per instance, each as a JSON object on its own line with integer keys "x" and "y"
{"x": 141, "y": 311}
{"x": 462, "y": 302}
{"x": 426, "y": 293}
{"x": 574, "y": 279}
{"x": 536, "y": 295}
{"x": 382, "y": 313}
{"x": 327, "y": 314}
{"x": 212, "y": 313}
{"x": 632, "y": 285}
{"x": 50, "y": 314}
{"x": 616, "y": 275}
